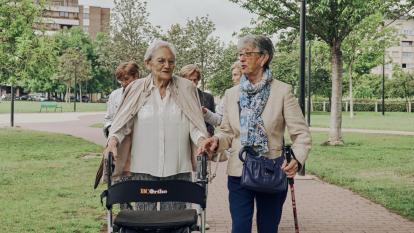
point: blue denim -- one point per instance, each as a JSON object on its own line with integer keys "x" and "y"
{"x": 269, "y": 208}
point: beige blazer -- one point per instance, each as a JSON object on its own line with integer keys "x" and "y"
{"x": 135, "y": 95}
{"x": 281, "y": 111}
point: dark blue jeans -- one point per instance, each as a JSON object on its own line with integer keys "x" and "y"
{"x": 269, "y": 208}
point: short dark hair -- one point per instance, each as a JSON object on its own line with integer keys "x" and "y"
{"x": 127, "y": 68}
{"x": 263, "y": 43}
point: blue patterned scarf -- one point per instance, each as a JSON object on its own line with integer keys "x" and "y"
{"x": 253, "y": 100}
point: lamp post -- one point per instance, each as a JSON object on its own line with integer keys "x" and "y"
{"x": 74, "y": 102}
{"x": 309, "y": 83}
{"x": 383, "y": 84}
{"x": 302, "y": 56}
{"x": 12, "y": 105}
{"x": 76, "y": 76}
{"x": 302, "y": 64}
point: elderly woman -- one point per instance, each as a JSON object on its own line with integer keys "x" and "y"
{"x": 193, "y": 73}
{"x": 155, "y": 133}
{"x": 256, "y": 114}
{"x": 214, "y": 118}
{"x": 125, "y": 73}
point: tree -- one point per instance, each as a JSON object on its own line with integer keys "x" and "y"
{"x": 401, "y": 85}
{"x": 365, "y": 47}
{"x": 131, "y": 32}
{"x": 220, "y": 81}
{"x": 331, "y": 21}
{"x": 74, "y": 68}
{"x": 103, "y": 66}
{"x": 196, "y": 45}
{"x": 17, "y": 18}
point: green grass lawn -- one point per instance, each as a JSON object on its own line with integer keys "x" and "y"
{"x": 379, "y": 167}
{"x": 368, "y": 120}
{"x": 33, "y": 106}
{"x": 46, "y": 183}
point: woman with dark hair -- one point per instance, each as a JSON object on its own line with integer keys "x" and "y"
{"x": 256, "y": 114}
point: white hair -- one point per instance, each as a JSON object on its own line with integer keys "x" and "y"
{"x": 155, "y": 45}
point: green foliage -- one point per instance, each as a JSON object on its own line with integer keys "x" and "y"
{"x": 196, "y": 45}
{"x": 221, "y": 79}
{"x": 131, "y": 32}
{"x": 401, "y": 85}
{"x": 17, "y": 39}
{"x": 368, "y": 86}
{"x": 330, "y": 21}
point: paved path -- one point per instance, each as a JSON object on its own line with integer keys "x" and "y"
{"x": 322, "y": 208}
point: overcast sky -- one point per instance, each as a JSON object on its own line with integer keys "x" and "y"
{"x": 227, "y": 16}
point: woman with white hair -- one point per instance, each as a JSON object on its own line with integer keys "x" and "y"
{"x": 256, "y": 114}
{"x": 159, "y": 124}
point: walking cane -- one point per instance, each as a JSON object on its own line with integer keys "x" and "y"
{"x": 291, "y": 181}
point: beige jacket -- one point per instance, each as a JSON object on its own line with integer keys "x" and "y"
{"x": 282, "y": 110}
{"x": 135, "y": 95}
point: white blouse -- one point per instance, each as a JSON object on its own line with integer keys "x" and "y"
{"x": 161, "y": 137}
{"x": 114, "y": 100}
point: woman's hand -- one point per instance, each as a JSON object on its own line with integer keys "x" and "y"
{"x": 209, "y": 146}
{"x": 291, "y": 168}
{"x": 204, "y": 109}
{"x": 112, "y": 147}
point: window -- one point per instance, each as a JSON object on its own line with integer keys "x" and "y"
{"x": 86, "y": 29}
{"x": 407, "y": 54}
{"x": 85, "y": 15}
{"x": 406, "y": 43}
{"x": 404, "y": 65}
{"x": 61, "y": 14}
{"x": 407, "y": 32}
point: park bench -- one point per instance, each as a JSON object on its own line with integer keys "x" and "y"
{"x": 48, "y": 104}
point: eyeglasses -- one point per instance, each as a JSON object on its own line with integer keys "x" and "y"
{"x": 165, "y": 61}
{"x": 249, "y": 54}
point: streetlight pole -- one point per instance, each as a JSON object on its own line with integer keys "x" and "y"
{"x": 302, "y": 56}
{"x": 74, "y": 102}
{"x": 12, "y": 105}
{"x": 302, "y": 64}
{"x": 383, "y": 84}
{"x": 309, "y": 84}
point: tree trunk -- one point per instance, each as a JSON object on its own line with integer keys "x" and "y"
{"x": 351, "y": 97}
{"x": 335, "y": 135}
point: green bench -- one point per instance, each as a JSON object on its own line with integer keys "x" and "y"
{"x": 48, "y": 104}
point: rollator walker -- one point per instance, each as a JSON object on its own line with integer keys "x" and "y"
{"x": 134, "y": 221}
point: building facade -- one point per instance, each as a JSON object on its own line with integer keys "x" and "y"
{"x": 60, "y": 14}
{"x": 402, "y": 54}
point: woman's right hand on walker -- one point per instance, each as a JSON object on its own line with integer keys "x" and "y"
{"x": 112, "y": 147}
{"x": 209, "y": 146}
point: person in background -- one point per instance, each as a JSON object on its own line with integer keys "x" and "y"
{"x": 214, "y": 118}
{"x": 125, "y": 73}
{"x": 193, "y": 73}
{"x": 256, "y": 114}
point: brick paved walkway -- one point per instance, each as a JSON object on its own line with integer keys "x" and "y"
{"x": 322, "y": 208}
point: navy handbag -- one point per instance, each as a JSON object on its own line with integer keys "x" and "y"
{"x": 262, "y": 174}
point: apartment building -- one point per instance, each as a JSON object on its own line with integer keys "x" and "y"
{"x": 401, "y": 54}
{"x": 60, "y": 14}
